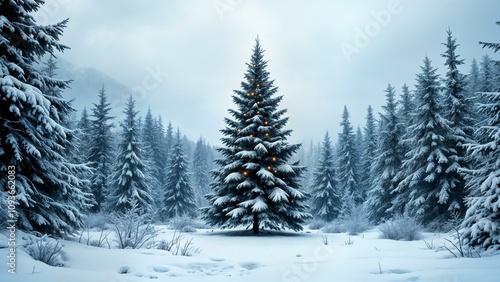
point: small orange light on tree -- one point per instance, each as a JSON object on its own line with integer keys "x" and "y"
{"x": 267, "y": 134}
{"x": 274, "y": 159}
{"x": 269, "y": 167}
{"x": 266, "y": 122}
{"x": 245, "y": 173}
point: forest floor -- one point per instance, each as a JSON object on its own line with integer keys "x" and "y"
{"x": 236, "y": 255}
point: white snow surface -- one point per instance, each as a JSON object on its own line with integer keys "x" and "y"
{"x": 236, "y": 255}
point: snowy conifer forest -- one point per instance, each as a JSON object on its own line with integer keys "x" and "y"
{"x": 99, "y": 190}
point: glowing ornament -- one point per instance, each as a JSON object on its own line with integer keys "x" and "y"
{"x": 245, "y": 173}
{"x": 268, "y": 167}
{"x": 274, "y": 159}
{"x": 266, "y": 122}
{"x": 267, "y": 134}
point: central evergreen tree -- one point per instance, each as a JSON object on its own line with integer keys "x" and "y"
{"x": 255, "y": 184}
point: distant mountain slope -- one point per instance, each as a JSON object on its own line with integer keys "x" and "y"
{"x": 85, "y": 86}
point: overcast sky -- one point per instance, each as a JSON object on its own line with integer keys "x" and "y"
{"x": 185, "y": 58}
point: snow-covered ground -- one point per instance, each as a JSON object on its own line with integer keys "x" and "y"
{"x": 236, "y": 255}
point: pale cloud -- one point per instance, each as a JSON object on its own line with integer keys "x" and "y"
{"x": 204, "y": 54}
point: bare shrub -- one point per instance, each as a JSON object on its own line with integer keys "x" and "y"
{"x": 458, "y": 246}
{"x": 324, "y": 240}
{"x": 167, "y": 245}
{"x": 401, "y": 227}
{"x": 134, "y": 229}
{"x": 178, "y": 246}
{"x": 46, "y": 250}
{"x": 186, "y": 249}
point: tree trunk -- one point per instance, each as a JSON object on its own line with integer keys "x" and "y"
{"x": 255, "y": 223}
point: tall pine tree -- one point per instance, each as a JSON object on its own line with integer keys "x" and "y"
{"x": 425, "y": 184}
{"x": 481, "y": 225}
{"x": 33, "y": 137}
{"x": 458, "y": 111}
{"x": 388, "y": 161}
{"x": 100, "y": 149}
{"x": 347, "y": 162}
{"x": 201, "y": 169}
{"x": 368, "y": 153}
{"x": 131, "y": 178}
{"x": 255, "y": 184}
{"x": 178, "y": 197}
{"x": 326, "y": 196}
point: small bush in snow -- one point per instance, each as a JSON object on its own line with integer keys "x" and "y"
{"x": 402, "y": 227}
{"x": 134, "y": 229}
{"x": 316, "y": 224}
{"x": 178, "y": 246}
{"x": 183, "y": 223}
{"x": 334, "y": 227}
{"x": 356, "y": 221}
{"x": 46, "y": 250}
{"x": 96, "y": 220}
{"x": 167, "y": 245}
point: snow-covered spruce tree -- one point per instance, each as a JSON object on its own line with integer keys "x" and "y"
{"x": 169, "y": 139}
{"x": 161, "y": 151}
{"x": 426, "y": 185}
{"x": 347, "y": 168}
{"x": 405, "y": 107}
{"x": 387, "y": 163}
{"x": 255, "y": 184}
{"x": 151, "y": 146}
{"x": 458, "y": 110}
{"x": 368, "y": 153}
{"x": 131, "y": 178}
{"x": 473, "y": 79}
{"x": 326, "y": 197}
{"x": 33, "y": 137}
{"x": 100, "y": 150}
{"x": 481, "y": 225}
{"x": 486, "y": 75}
{"x": 200, "y": 168}
{"x": 178, "y": 197}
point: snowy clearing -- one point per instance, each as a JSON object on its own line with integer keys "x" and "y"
{"x": 236, "y": 255}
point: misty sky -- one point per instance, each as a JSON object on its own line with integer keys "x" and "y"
{"x": 185, "y": 58}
